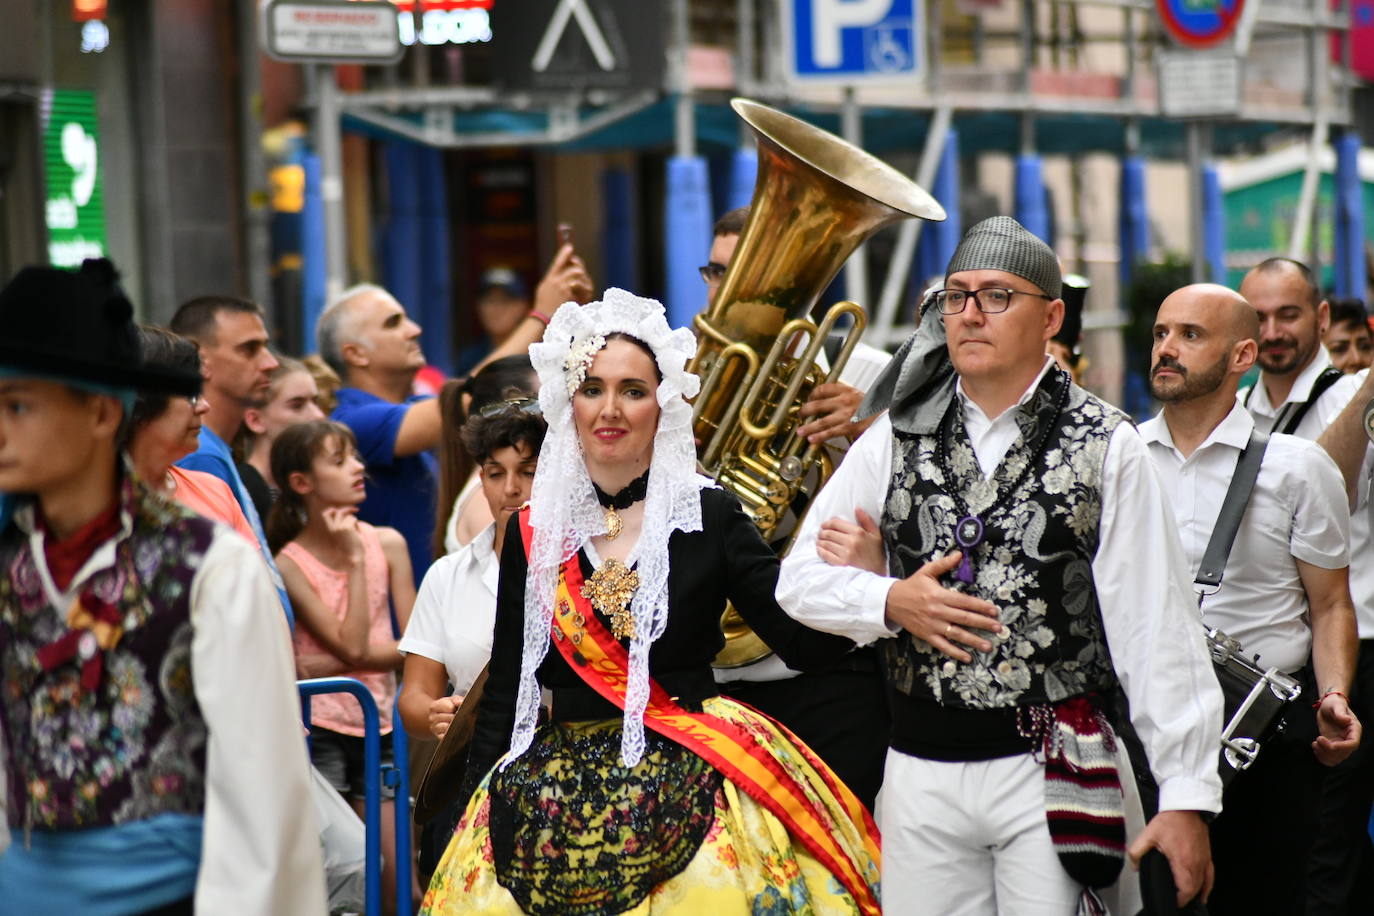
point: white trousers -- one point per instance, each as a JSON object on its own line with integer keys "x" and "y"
{"x": 970, "y": 839}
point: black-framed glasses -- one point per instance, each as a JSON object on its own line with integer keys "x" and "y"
{"x": 989, "y": 301}
{"x": 194, "y": 400}
{"x": 510, "y": 405}
{"x": 711, "y": 273}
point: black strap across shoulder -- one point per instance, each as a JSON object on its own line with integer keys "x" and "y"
{"x": 1213, "y": 564}
{"x": 1328, "y": 377}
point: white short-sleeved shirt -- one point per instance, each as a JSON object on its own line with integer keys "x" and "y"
{"x": 1331, "y": 402}
{"x": 455, "y": 611}
{"x": 1362, "y": 541}
{"x": 1298, "y": 511}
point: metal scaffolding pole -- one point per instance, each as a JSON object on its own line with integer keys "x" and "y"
{"x": 1197, "y": 233}
{"x": 328, "y": 144}
{"x": 909, "y": 231}
{"x": 1321, "y": 125}
{"x": 856, "y": 268}
{"x": 257, "y": 247}
{"x": 744, "y": 47}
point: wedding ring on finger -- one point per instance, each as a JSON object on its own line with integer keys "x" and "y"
{"x": 949, "y": 628}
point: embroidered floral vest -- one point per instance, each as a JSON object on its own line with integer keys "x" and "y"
{"x": 134, "y": 747}
{"x": 1034, "y": 563}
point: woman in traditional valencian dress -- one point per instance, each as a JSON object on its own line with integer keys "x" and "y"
{"x": 647, "y": 792}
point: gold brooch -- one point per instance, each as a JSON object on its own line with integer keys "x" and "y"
{"x": 609, "y": 590}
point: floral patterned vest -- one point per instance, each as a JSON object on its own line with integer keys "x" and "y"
{"x": 1034, "y": 562}
{"x": 133, "y": 747}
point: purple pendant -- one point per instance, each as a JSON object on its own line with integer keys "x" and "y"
{"x": 968, "y": 533}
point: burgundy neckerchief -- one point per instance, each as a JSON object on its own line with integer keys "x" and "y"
{"x": 93, "y": 624}
{"x": 67, "y": 555}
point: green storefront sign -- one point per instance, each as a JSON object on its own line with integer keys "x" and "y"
{"x": 1260, "y": 211}
{"x": 76, "y": 192}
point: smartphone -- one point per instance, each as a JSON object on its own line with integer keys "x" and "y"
{"x": 565, "y": 234}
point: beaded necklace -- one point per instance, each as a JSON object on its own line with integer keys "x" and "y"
{"x": 970, "y": 529}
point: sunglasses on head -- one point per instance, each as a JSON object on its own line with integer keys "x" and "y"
{"x": 510, "y": 405}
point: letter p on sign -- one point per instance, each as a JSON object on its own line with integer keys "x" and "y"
{"x": 832, "y": 17}
{"x": 853, "y": 41}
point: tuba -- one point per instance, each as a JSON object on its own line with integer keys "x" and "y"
{"x": 816, "y": 199}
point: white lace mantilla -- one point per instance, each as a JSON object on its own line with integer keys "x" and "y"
{"x": 564, "y": 512}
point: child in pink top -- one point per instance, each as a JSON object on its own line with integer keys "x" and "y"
{"x": 343, "y": 576}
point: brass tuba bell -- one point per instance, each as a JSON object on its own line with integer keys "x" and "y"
{"x": 816, "y": 199}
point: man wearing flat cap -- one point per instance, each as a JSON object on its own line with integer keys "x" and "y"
{"x": 152, "y": 741}
{"x": 1029, "y": 571}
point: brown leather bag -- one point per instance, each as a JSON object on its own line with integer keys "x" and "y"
{"x": 443, "y": 778}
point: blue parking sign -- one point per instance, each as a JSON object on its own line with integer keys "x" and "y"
{"x": 853, "y": 41}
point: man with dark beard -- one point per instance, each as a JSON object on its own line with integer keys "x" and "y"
{"x": 1284, "y": 595}
{"x": 1299, "y": 391}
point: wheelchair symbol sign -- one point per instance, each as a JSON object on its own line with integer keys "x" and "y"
{"x": 889, "y": 48}
{"x": 853, "y": 41}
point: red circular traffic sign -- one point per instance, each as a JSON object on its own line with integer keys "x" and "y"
{"x": 1199, "y": 23}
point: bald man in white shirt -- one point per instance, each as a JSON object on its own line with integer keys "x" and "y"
{"x": 1284, "y": 594}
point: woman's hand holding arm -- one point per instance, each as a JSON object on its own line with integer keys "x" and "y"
{"x": 859, "y": 543}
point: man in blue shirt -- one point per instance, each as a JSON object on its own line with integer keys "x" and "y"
{"x": 367, "y": 338}
{"x": 369, "y": 341}
{"x": 236, "y": 364}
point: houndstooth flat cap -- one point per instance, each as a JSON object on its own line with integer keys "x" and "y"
{"x": 1001, "y": 243}
{"x": 919, "y": 380}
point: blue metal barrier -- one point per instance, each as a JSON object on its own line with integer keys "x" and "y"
{"x": 373, "y": 777}
{"x": 398, "y": 777}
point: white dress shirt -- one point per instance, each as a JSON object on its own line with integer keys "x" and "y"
{"x": 1361, "y": 524}
{"x": 1362, "y": 540}
{"x": 1332, "y": 400}
{"x": 1361, "y": 545}
{"x": 1297, "y": 511}
{"x": 455, "y": 611}
{"x": 1148, "y": 611}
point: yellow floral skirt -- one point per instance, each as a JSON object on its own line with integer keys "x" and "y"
{"x": 567, "y": 830}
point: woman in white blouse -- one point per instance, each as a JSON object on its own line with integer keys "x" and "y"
{"x": 448, "y": 640}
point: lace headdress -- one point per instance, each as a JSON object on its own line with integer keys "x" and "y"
{"x": 564, "y": 511}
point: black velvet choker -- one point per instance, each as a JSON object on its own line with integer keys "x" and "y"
{"x": 623, "y": 500}
{"x": 633, "y": 493}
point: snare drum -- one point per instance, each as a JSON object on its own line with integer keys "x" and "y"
{"x": 1255, "y": 700}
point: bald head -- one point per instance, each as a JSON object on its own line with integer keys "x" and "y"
{"x": 1204, "y": 340}
{"x": 1218, "y": 308}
